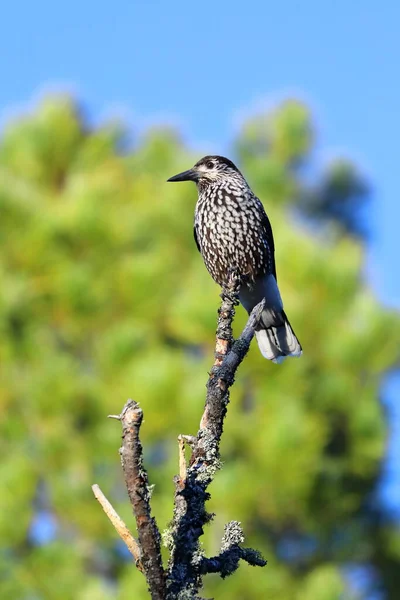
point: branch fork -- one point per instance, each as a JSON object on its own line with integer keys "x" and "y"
{"x": 182, "y": 579}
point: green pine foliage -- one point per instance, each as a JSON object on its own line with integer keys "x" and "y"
{"x": 105, "y": 297}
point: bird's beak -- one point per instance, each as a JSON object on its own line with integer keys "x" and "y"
{"x": 190, "y": 175}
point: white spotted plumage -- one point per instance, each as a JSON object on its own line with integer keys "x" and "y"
{"x": 230, "y": 232}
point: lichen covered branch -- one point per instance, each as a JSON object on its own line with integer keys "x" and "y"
{"x": 187, "y": 563}
{"x": 227, "y": 561}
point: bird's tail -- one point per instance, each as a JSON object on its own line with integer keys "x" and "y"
{"x": 277, "y": 341}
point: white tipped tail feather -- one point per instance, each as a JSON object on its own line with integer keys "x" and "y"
{"x": 275, "y": 336}
{"x": 278, "y": 342}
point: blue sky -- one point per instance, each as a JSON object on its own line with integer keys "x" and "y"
{"x": 204, "y": 66}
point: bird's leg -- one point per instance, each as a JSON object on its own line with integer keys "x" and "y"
{"x": 226, "y": 313}
{"x": 231, "y": 289}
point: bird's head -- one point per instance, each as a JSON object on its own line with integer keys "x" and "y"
{"x": 208, "y": 170}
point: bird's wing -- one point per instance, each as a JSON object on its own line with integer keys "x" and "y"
{"x": 195, "y": 238}
{"x": 266, "y": 225}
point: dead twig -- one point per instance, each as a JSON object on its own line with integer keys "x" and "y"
{"x": 119, "y": 525}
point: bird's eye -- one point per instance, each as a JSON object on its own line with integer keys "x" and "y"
{"x": 210, "y": 164}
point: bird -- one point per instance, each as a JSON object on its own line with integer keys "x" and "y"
{"x": 233, "y": 234}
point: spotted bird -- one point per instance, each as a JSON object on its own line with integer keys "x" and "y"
{"x": 233, "y": 233}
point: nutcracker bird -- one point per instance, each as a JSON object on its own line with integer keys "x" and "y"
{"x": 233, "y": 233}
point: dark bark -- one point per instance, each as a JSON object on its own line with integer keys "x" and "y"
{"x": 138, "y": 490}
{"x": 187, "y": 564}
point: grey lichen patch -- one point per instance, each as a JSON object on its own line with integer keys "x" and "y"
{"x": 233, "y": 534}
{"x": 150, "y": 490}
{"x": 189, "y": 594}
{"x": 198, "y": 556}
{"x": 167, "y": 537}
{"x": 205, "y": 471}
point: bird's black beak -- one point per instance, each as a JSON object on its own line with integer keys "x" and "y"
{"x": 190, "y": 175}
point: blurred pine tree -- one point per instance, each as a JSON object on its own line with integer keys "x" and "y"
{"x": 104, "y": 297}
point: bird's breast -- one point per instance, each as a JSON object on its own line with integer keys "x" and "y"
{"x": 230, "y": 235}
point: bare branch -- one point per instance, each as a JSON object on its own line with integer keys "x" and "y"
{"x": 138, "y": 490}
{"x": 119, "y": 525}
